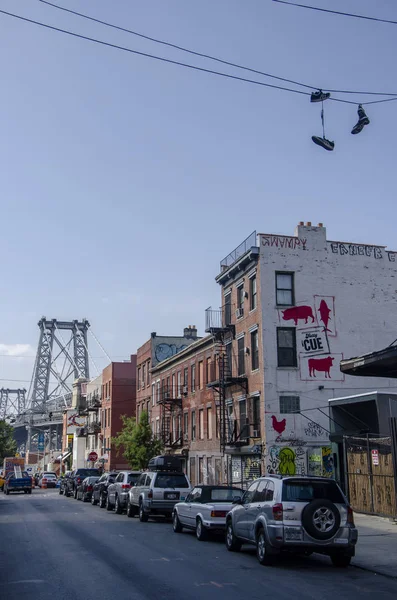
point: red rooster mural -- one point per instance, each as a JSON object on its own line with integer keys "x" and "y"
{"x": 278, "y": 426}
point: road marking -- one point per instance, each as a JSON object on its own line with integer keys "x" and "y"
{"x": 120, "y": 535}
{"x": 163, "y": 558}
{"x": 213, "y": 583}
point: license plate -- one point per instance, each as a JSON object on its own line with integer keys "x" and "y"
{"x": 170, "y": 496}
{"x": 341, "y": 541}
{"x": 293, "y": 533}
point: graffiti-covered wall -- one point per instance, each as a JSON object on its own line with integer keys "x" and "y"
{"x": 331, "y": 300}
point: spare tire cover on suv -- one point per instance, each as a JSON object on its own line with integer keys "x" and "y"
{"x": 321, "y": 519}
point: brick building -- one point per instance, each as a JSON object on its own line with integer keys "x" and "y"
{"x": 155, "y": 350}
{"x": 293, "y": 307}
{"x": 118, "y": 398}
{"x": 183, "y": 410}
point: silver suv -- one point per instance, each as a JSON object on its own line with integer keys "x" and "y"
{"x": 297, "y": 514}
{"x": 156, "y": 493}
{"x": 117, "y": 495}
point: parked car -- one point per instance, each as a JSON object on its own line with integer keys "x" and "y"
{"x": 298, "y": 514}
{"x": 84, "y": 489}
{"x": 117, "y": 495}
{"x": 39, "y": 475}
{"x": 205, "y": 509}
{"x": 62, "y": 482}
{"x": 157, "y": 492}
{"x": 47, "y": 479}
{"x": 14, "y": 483}
{"x": 100, "y": 491}
{"x": 2, "y": 479}
{"x": 75, "y": 478}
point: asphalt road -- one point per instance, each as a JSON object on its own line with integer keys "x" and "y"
{"x": 55, "y": 548}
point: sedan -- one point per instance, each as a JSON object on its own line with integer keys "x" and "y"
{"x": 85, "y": 488}
{"x": 48, "y": 480}
{"x": 205, "y": 509}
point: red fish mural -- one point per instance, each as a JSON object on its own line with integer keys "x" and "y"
{"x": 320, "y": 364}
{"x": 298, "y": 312}
{"x": 325, "y": 312}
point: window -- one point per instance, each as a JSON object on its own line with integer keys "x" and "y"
{"x": 256, "y": 416}
{"x": 193, "y": 425}
{"x": 302, "y": 491}
{"x": 241, "y": 356}
{"x": 139, "y": 378}
{"x": 148, "y": 371}
{"x": 209, "y": 423}
{"x": 201, "y": 424}
{"x": 143, "y": 375}
{"x": 171, "y": 480}
{"x": 201, "y": 470}
{"x": 240, "y": 301}
{"x": 193, "y": 378}
{"x": 284, "y": 289}
{"x": 168, "y": 387}
{"x": 260, "y": 493}
{"x": 289, "y": 404}
{"x": 174, "y": 386}
{"x": 186, "y": 426}
{"x": 244, "y": 427}
{"x": 210, "y": 475}
{"x": 253, "y": 293}
{"x": 185, "y": 377}
{"x": 201, "y": 375}
{"x": 228, "y": 360}
{"x": 148, "y": 408}
{"x": 158, "y": 392}
{"x": 249, "y": 494}
{"x": 286, "y": 347}
{"x": 208, "y": 374}
{"x": 254, "y": 350}
{"x": 179, "y": 383}
{"x": 228, "y": 309}
{"x": 192, "y": 470}
{"x": 153, "y": 393}
{"x": 218, "y": 471}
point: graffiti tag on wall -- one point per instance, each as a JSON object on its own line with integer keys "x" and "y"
{"x": 164, "y": 351}
{"x": 284, "y": 460}
{"x": 281, "y": 241}
{"x": 357, "y": 250}
{"x": 314, "y": 430}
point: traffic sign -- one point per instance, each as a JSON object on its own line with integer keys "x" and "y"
{"x": 93, "y": 457}
{"x": 375, "y": 457}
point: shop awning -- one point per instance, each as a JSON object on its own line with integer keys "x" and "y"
{"x": 382, "y": 363}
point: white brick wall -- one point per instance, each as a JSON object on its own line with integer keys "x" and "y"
{"x": 358, "y": 283}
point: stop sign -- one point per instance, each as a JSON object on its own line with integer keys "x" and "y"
{"x": 93, "y": 457}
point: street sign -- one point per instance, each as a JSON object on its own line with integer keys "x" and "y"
{"x": 40, "y": 442}
{"x": 93, "y": 457}
{"x": 375, "y": 457}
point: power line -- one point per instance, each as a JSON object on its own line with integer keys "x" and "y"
{"x": 178, "y": 63}
{"x": 203, "y": 55}
{"x": 336, "y": 12}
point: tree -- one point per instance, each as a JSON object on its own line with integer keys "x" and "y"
{"x": 137, "y": 442}
{"x": 8, "y": 445}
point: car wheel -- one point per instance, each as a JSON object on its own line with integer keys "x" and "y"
{"x": 201, "y": 532}
{"x": 117, "y": 506}
{"x": 176, "y": 524}
{"x": 109, "y": 506}
{"x": 131, "y": 510}
{"x": 60, "y": 491}
{"x": 233, "y": 544}
{"x": 262, "y": 548}
{"x": 67, "y": 493}
{"x": 340, "y": 559}
{"x": 7, "y": 492}
{"x": 102, "y": 501}
{"x": 143, "y": 517}
{"x": 29, "y": 491}
{"x": 321, "y": 519}
{"x": 93, "y": 501}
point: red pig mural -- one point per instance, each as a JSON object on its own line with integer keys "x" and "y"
{"x": 298, "y": 312}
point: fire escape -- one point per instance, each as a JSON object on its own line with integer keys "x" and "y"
{"x": 225, "y": 375}
{"x": 170, "y": 416}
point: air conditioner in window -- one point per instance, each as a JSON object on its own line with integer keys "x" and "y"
{"x": 246, "y": 350}
{"x": 185, "y": 390}
{"x": 256, "y": 433}
{"x": 239, "y": 313}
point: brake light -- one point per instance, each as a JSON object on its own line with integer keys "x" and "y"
{"x": 78, "y": 480}
{"x": 125, "y": 486}
{"x": 350, "y": 516}
{"x": 218, "y": 513}
{"x": 277, "y": 512}
{"x": 44, "y": 479}
{"x": 89, "y": 488}
{"x": 150, "y": 494}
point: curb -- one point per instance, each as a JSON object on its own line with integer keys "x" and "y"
{"x": 373, "y": 570}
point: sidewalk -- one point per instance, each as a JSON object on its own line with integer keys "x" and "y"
{"x": 376, "y": 548}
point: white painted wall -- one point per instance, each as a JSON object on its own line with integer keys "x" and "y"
{"x": 359, "y": 284}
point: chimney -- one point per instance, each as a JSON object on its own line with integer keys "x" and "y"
{"x": 301, "y": 223}
{"x": 309, "y": 224}
{"x": 320, "y": 225}
{"x": 190, "y": 332}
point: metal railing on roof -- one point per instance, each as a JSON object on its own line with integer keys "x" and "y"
{"x": 231, "y": 258}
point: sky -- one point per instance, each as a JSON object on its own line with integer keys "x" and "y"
{"x": 126, "y": 180}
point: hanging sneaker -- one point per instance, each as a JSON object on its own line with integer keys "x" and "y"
{"x": 323, "y": 142}
{"x": 319, "y": 96}
{"x": 362, "y": 120}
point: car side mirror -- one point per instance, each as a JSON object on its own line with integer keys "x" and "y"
{"x": 237, "y": 500}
